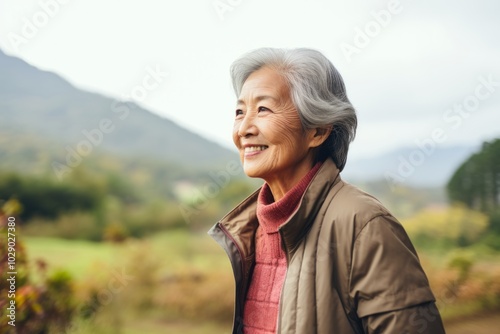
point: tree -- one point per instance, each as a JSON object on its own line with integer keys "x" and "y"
{"x": 476, "y": 183}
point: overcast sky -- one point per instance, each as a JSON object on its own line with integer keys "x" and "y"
{"x": 408, "y": 66}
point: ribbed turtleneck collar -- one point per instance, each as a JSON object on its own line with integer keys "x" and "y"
{"x": 272, "y": 214}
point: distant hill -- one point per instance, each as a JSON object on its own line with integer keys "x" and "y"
{"x": 43, "y": 117}
{"x": 42, "y": 106}
{"x": 406, "y": 166}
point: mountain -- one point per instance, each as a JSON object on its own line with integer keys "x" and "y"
{"x": 44, "y": 107}
{"x": 411, "y": 166}
{"x": 44, "y": 118}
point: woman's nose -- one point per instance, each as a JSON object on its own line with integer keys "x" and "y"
{"x": 247, "y": 126}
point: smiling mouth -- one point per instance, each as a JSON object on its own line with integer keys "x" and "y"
{"x": 250, "y": 149}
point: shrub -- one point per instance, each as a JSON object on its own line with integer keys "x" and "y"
{"x": 197, "y": 295}
{"x": 46, "y": 198}
{"x": 75, "y": 225}
{"x": 462, "y": 262}
{"x": 115, "y": 233}
{"x": 40, "y": 308}
{"x": 457, "y": 225}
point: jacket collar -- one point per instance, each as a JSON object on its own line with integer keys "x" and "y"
{"x": 241, "y": 222}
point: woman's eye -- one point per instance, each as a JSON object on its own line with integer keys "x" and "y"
{"x": 239, "y": 112}
{"x": 263, "y": 109}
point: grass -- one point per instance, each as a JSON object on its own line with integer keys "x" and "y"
{"x": 174, "y": 249}
{"x": 165, "y": 256}
{"x": 149, "y": 324}
{"x": 183, "y": 274}
{"x": 76, "y": 256}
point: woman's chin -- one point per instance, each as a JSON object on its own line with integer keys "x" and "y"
{"x": 252, "y": 170}
{"x": 251, "y": 173}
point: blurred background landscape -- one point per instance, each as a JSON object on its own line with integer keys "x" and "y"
{"x": 113, "y": 192}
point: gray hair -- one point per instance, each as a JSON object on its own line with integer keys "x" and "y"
{"x": 317, "y": 91}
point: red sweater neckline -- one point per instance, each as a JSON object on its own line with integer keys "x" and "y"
{"x": 271, "y": 214}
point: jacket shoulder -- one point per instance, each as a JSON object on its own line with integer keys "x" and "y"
{"x": 351, "y": 204}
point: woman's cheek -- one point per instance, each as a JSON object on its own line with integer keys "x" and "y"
{"x": 286, "y": 131}
{"x": 235, "y": 134}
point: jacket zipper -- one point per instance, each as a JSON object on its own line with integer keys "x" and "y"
{"x": 278, "y": 321}
{"x": 243, "y": 272}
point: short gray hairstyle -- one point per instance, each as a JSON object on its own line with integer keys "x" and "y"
{"x": 317, "y": 91}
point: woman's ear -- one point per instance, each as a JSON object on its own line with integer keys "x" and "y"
{"x": 319, "y": 135}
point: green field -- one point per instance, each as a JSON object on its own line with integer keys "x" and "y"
{"x": 182, "y": 282}
{"x": 173, "y": 250}
{"x": 161, "y": 257}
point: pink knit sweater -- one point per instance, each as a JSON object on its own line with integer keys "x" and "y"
{"x": 260, "y": 313}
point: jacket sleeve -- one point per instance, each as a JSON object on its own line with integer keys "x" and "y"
{"x": 387, "y": 285}
{"x": 420, "y": 319}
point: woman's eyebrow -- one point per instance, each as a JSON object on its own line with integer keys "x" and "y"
{"x": 258, "y": 99}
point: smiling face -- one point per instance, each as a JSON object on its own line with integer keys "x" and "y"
{"x": 268, "y": 132}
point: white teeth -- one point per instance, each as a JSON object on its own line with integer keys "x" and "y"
{"x": 255, "y": 148}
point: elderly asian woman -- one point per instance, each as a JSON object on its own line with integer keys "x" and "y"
{"x": 310, "y": 252}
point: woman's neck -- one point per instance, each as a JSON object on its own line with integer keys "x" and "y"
{"x": 283, "y": 182}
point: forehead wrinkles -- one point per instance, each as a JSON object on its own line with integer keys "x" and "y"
{"x": 256, "y": 93}
{"x": 265, "y": 82}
